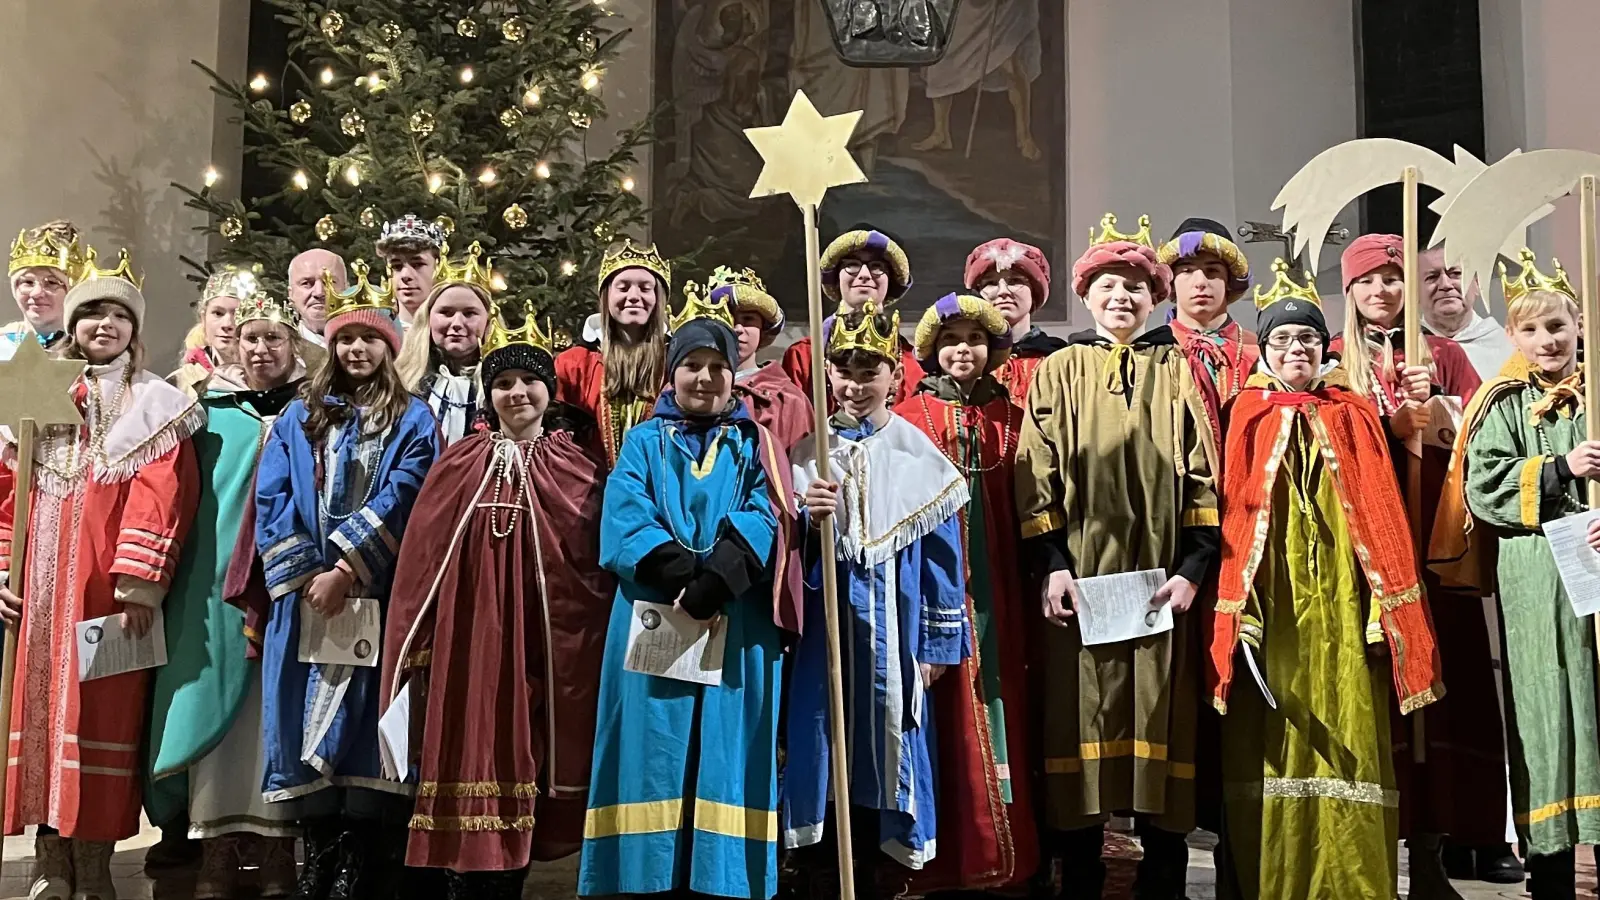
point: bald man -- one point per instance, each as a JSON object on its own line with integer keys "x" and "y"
{"x": 306, "y": 291}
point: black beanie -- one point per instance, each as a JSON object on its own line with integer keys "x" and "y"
{"x": 697, "y": 334}
{"x": 1291, "y": 311}
{"x": 519, "y": 356}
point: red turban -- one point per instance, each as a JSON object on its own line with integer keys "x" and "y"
{"x": 1005, "y": 255}
{"x": 1369, "y": 253}
{"x": 1121, "y": 253}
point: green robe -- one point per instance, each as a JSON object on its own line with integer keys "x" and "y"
{"x": 202, "y": 687}
{"x": 1549, "y": 651}
{"x": 1312, "y": 806}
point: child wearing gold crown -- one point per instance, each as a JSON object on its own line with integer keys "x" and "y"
{"x": 45, "y": 263}
{"x": 496, "y": 627}
{"x": 1114, "y": 475}
{"x": 773, "y": 399}
{"x": 895, "y": 499}
{"x": 1521, "y": 460}
{"x": 204, "y": 758}
{"x": 112, "y": 502}
{"x": 212, "y": 342}
{"x": 439, "y": 359}
{"x": 1318, "y": 594}
{"x": 338, "y": 477}
{"x": 695, "y": 513}
{"x": 617, "y": 380}
{"x": 987, "y": 836}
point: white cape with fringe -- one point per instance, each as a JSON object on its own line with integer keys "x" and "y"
{"x": 894, "y": 488}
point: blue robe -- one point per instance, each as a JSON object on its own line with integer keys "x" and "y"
{"x": 894, "y": 614}
{"x": 320, "y": 722}
{"x": 684, "y": 790}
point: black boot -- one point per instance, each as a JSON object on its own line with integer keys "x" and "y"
{"x": 1164, "y": 870}
{"x": 1553, "y": 877}
{"x": 1497, "y": 864}
{"x": 1428, "y": 878}
{"x": 1083, "y": 871}
{"x": 321, "y": 838}
{"x": 354, "y": 880}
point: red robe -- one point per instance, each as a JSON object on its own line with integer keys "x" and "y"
{"x": 777, "y": 404}
{"x": 75, "y": 746}
{"x": 1220, "y": 368}
{"x": 984, "y": 842}
{"x": 498, "y": 618}
{"x": 1460, "y": 789}
{"x": 580, "y": 382}
{"x": 797, "y": 363}
{"x": 1016, "y": 374}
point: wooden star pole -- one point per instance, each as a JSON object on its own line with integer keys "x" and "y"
{"x": 804, "y": 157}
{"x": 35, "y": 392}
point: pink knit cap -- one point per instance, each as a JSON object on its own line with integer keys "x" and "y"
{"x": 375, "y": 319}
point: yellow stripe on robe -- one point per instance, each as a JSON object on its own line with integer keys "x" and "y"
{"x": 633, "y": 818}
{"x": 1528, "y": 483}
{"x": 736, "y": 821}
{"x": 1071, "y": 765}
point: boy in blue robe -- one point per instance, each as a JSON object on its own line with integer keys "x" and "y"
{"x": 684, "y": 793}
{"x": 895, "y": 500}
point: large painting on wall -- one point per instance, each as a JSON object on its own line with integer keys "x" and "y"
{"x": 967, "y": 149}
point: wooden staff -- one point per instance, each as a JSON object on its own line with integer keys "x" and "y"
{"x": 1414, "y": 356}
{"x": 1589, "y": 294}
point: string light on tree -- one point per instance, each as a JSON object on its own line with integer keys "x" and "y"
{"x": 210, "y": 177}
{"x": 499, "y": 282}
{"x": 627, "y": 183}
{"x": 466, "y": 75}
{"x": 259, "y": 84}
{"x": 300, "y": 181}
{"x": 327, "y": 75}
{"x": 300, "y": 112}
{"x": 375, "y": 82}
{"x": 590, "y": 79}
{"x": 530, "y": 97}
{"x": 352, "y": 174}
{"x": 487, "y": 176}
{"x": 569, "y": 268}
{"x": 435, "y": 183}
{"x": 542, "y": 169}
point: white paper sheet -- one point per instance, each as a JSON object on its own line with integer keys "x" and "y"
{"x": 1115, "y": 608}
{"x": 665, "y": 641}
{"x": 104, "y": 649}
{"x": 352, "y": 638}
{"x": 394, "y": 736}
{"x": 1577, "y": 562}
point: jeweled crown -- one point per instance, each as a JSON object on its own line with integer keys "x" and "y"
{"x": 866, "y": 335}
{"x": 1284, "y": 287}
{"x": 263, "y": 307}
{"x": 411, "y": 228}
{"x": 698, "y": 307}
{"x": 48, "y": 250}
{"x": 473, "y": 270}
{"x": 1531, "y": 280}
{"x": 231, "y": 281}
{"x": 124, "y": 269}
{"x": 499, "y": 336}
{"x": 1109, "y": 232}
{"x": 630, "y": 255}
{"x": 362, "y": 293}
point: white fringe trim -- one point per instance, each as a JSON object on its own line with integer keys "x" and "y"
{"x": 915, "y": 527}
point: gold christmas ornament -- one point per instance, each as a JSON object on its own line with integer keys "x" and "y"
{"x": 326, "y": 229}
{"x": 300, "y": 112}
{"x": 332, "y": 24}
{"x": 467, "y": 28}
{"x": 352, "y": 123}
{"x": 603, "y": 231}
{"x": 391, "y": 32}
{"x": 370, "y": 217}
{"x": 422, "y": 123}
{"x": 510, "y": 117}
{"x": 513, "y": 30}
{"x": 231, "y": 228}
{"x": 516, "y": 217}
{"x": 446, "y": 224}
{"x": 588, "y": 43}
{"x": 580, "y": 118}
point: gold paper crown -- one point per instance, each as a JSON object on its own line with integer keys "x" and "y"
{"x": 231, "y": 281}
{"x": 630, "y": 255}
{"x": 1531, "y": 280}
{"x": 263, "y": 307}
{"x": 866, "y": 336}
{"x": 469, "y": 271}
{"x": 1109, "y": 232}
{"x": 500, "y": 337}
{"x": 48, "y": 250}
{"x": 362, "y": 294}
{"x": 1284, "y": 287}
{"x": 695, "y": 307}
{"x": 124, "y": 269}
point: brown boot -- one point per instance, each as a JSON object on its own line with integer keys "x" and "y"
{"x": 91, "y": 869}
{"x": 52, "y": 868}
{"x": 219, "y": 868}
{"x": 277, "y": 866}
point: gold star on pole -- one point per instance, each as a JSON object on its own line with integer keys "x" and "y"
{"x": 35, "y": 386}
{"x": 807, "y": 154}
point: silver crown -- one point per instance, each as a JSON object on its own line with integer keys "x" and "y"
{"x": 411, "y": 228}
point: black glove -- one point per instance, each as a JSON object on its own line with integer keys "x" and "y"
{"x": 735, "y": 563}
{"x": 704, "y": 596}
{"x": 667, "y": 568}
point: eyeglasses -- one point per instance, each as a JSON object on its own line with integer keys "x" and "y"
{"x": 270, "y": 341}
{"x": 853, "y": 266}
{"x": 1283, "y": 341}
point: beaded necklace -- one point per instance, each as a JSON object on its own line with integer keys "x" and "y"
{"x": 959, "y": 420}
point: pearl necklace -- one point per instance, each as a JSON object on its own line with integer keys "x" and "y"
{"x": 957, "y": 415}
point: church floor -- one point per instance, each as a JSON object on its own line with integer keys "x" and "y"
{"x": 554, "y": 881}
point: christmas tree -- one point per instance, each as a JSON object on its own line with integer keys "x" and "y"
{"x": 474, "y": 114}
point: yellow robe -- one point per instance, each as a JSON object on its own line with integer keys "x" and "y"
{"x": 1115, "y": 454}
